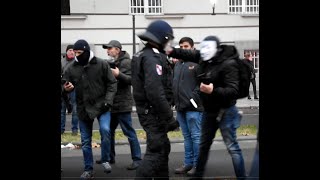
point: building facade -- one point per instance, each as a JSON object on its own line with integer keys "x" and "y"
{"x": 99, "y": 21}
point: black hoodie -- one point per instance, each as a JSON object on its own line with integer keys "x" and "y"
{"x": 222, "y": 71}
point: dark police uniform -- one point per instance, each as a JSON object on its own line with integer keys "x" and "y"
{"x": 152, "y": 92}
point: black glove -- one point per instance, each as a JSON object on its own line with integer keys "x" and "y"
{"x": 173, "y": 125}
{"x": 106, "y": 107}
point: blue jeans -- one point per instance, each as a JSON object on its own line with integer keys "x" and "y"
{"x": 190, "y": 122}
{"x": 125, "y": 121}
{"x": 228, "y": 127}
{"x": 75, "y": 119}
{"x": 86, "y": 139}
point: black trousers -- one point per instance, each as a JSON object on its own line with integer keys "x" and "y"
{"x": 154, "y": 164}
{"x": 253, "y": 82}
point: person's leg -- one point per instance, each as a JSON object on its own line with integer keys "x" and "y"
{"x": 86, "y": 137}
{"x": 63, "y": 115}
{"x": 228, "y": 127}
{"x": 253, "y": 81}
{"x": 75, "y": 119}
{"x": 194, "y": 119}
{"x": 156, "y": 158}
{"x": 104, "y": 123}
{"x": 113, "y": 126}
{"x": 125, "y": 121}
{"x": 209, "y": 127}
{"x": 188, "y": 145}
{"x": 254, "y": 172}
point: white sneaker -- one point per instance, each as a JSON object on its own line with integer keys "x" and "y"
{"x": 107, "y": 167}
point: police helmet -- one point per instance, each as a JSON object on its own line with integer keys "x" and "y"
{"x": 158, "y": 31}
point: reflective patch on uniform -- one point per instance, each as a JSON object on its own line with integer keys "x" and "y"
{"x": 191, "y": 67}
{"x": 159, "y": 69}
{"x": 156, "y": 50}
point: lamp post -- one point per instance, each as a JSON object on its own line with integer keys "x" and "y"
{"x": 213, "y": 4}
{"x": 134, "y": 34}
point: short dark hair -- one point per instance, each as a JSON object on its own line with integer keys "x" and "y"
{"x": 247, "y": 54}
{"x": 186, "y": 39}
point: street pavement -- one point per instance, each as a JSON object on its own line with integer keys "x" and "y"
{"x": 219, "y": 165}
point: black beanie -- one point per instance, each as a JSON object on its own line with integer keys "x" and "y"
{"x": 212, "y": 38}
{"x": 70, "y": 46}
{"x": 81, "y": 45}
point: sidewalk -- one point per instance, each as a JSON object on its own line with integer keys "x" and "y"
{"x": 241, "y": 104}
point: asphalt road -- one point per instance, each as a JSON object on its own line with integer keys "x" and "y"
{"x": 250, "y": 117}
{"x": 219, "y": 164}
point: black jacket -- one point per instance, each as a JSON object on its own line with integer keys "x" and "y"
{"x": 152, "y": 82}
{"x": 250, "y": 64}
{"x": 222, "y": 71}
{"x": 123, "y": 101}
{"x": 186, "y": 86}
{"x": 95, "y": 86}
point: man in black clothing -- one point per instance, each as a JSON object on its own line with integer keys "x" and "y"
{"x": 152, "y": 92}
{"x": 249, "y": 61}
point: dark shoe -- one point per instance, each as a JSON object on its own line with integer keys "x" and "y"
{"x": 183, "y": 169}
{"x": 192, "y": 171}
{"x": 249, "y": 97}
{"x": 134, "y": 165}
{"x": 256, "y": 98}
{"x": 87, "y": 175}
{"x": 110, "y": 162}
{"x": 74, "y": 133}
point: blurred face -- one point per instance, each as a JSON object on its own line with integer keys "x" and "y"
{"x": 185, "y": 45}
{"x": 208, "y": 50}
{"x": 70, "y": 53}
{"x": 250, "y": 57}
{"x": 113, "y": 52}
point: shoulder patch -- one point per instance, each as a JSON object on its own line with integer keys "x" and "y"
{"x": 159, "y": 69}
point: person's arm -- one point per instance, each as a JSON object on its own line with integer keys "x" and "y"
{"x": 110, "y": 83}
{"x": 186, "y": 55}
{"x": 125, "y": 72}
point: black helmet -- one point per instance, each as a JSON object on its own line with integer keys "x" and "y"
{"x": 158, "y": 31}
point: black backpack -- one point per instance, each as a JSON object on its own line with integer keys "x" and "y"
{"x": 245, "y": 76}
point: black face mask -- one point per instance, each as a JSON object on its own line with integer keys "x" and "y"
{"x": 83, "y": 58}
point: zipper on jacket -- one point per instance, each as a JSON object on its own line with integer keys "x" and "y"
{"x": 181, "y": 70}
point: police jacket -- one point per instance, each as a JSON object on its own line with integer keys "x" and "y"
{"x": 222, "y": 71}
{"x": 123, "y": 99}
{"x": 94, "y": 84}
{"x": 152, "y": 81}
{"x": 186, "y": 86}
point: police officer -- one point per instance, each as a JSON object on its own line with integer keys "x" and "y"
{"x": 152, "y": 92}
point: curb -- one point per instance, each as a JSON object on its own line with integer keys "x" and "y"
{"x": 142, "y": 141}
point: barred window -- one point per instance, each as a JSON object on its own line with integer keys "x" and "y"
{"x": 255, "y": 58}
{"x": 150, "y": 7}
{"x": 243, "y": 6}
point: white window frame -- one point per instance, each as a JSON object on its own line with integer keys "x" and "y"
{"x": 156, "y": 7}
{"x": 243, "y": 7}
{"x": 255, "y": 58}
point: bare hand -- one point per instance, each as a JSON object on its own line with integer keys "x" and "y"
{"x": 115, "y": 72}
{"x": 206, "y": 88}
{"x": 68, "y": 86}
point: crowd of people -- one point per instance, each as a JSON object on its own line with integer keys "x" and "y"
{"x": 202, "y": 85}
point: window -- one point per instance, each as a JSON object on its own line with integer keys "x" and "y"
{"x": 150, "y": 7}
{"x": 255, "y": 57}
{"x": 243, "y": 6}
{"x": 65, "y": 7}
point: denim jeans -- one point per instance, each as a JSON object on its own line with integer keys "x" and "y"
{"x": 228, "y": 126}
{"x": 190, "y": 122}
{"x": 75, "y": 119}
{"x": 86, "y": 139}
{"x": 125, "y": 121}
